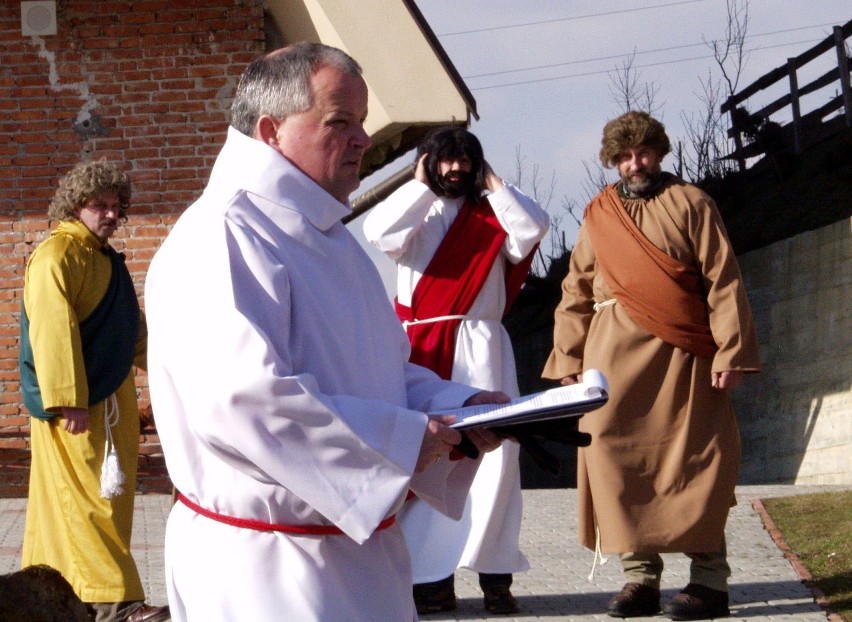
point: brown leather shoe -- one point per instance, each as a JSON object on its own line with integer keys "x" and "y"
{"x": 499, "y": 599}
{"x": 634, "y": 600}
{"x": 697, "y": 602}
{"x": 436, "y": 596}
{"x": 147, "y": 613}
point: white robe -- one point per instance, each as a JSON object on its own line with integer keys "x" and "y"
{"x": 282, "y": 393}
{"x": 408, "y": 227}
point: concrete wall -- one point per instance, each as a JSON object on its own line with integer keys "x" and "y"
{"x": 796, "y": 416}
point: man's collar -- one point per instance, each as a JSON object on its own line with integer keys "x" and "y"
{"x": 79, "y": 230}
{"x": 255, "y": 167}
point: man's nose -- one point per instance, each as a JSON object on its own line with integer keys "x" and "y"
{"x": 362, "y": 139}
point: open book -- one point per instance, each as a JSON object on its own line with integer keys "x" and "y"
{"x": 566, "y": 401}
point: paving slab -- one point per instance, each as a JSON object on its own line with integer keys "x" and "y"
{"x": 764, "y": 586}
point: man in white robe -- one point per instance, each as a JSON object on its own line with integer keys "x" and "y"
{"x": 409, "y": 227}
{"x": 292, "y": 424}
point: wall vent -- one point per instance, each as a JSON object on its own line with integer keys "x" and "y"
{"x": 38, "y": 19}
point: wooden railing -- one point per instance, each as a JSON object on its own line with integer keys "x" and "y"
{"x": 745, "y": 124}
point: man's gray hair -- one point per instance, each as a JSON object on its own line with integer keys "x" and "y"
{"x": 278, "y": 84}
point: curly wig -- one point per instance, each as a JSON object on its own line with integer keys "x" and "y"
{"x": 629, "y": 131}
{"x": 85, "y": 181}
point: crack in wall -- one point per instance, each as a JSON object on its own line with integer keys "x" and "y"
{"x": 86, "y": 119}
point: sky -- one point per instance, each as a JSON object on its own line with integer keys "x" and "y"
{"x": 542, "y": 74}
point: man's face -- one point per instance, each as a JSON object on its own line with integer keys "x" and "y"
{"x": 639, "y": 169}
{"x": 328, "y": 141}
{"x": 100, "y": 214}
{"x": 455, "y": 176}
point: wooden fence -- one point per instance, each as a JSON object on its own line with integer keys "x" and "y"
{"x": 745, "y": 125}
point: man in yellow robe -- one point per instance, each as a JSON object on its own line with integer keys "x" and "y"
{"x": 81, "y": 333}
{"x": 654, "y": 299}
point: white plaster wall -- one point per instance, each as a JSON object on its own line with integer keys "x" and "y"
{"x": 796, "y": 415}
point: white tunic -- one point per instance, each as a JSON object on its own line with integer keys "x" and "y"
{"x": 408, "y": 227}
{"x": 282, "y": 393}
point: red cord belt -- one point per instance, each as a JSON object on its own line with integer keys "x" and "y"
{"x": 257, "y": 525}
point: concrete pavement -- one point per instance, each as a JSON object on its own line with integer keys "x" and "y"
{"x": 764, "y": 587}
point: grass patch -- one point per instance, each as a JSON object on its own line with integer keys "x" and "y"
{"x": 818, "y": 529}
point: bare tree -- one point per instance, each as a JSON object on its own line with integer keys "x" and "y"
{"x": 706, "y": 137}
{"x": 729, "y": 52}
{"x": 704, "y": 151}
{"x": 542, "y": 191}
{"x": 596, "y": 178}
{"x": 707, "y": 149}
{"x": 626, "y": 90}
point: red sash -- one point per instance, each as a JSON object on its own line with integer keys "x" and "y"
{"x": 452, "y": 281}
{"x": 660, "y": 293}
{"x": 258, "y": 525}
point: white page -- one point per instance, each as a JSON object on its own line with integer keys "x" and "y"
{"x": 594, "y": 385}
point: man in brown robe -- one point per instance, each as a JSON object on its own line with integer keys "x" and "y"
{"x": 655, "y": 300}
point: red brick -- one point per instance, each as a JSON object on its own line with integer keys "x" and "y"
{"x": 172, "y": 59}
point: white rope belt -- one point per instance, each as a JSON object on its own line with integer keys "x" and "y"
{"x": 600, "y": 305}
{"x": 112, "y": 477}
{"x": 437, "y": 318}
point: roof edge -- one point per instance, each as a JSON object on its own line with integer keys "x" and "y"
{"x": 448, "y": 65}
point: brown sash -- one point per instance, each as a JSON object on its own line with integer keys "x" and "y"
{"x": 664, "y": 296}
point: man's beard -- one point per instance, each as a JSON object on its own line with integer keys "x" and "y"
{"x": 642, "y": 187}
{"x": 456, "y": 184}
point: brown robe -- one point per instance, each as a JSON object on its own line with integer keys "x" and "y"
{"x": 660, "y": 473}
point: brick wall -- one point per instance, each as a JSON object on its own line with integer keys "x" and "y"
{"x": 145, "y": 83}
{"x": 796, "y": 415}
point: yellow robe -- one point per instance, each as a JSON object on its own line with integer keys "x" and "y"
{"x": 660, "y": 473}
{"x": 68, "y": 525}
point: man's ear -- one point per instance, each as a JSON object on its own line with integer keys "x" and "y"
{"x": 266, "y": 130}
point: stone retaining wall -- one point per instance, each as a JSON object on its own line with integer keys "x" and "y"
{"x": 796, "y": 416}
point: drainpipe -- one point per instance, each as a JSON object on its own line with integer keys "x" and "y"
{"x": 380, "y": 192}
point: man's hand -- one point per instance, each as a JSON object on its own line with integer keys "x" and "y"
{"x": 76, "y": 419}
{"x": 420, "y": 171}
{"x": 726, "y": 379}
{"x": 485, "y": 440}
{"x": 492, "y": 181}
{"x": 439, "y": 439}
{"x": 572, "y": 379}
{"x": 487, "y": 397}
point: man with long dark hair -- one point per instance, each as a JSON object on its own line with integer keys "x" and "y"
{"x": 463, "y": 241}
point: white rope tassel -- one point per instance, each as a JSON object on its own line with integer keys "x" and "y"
{"x": 112, "y": 477}
{"x": 438, "y": 318}
{"x": 598, "y": 554}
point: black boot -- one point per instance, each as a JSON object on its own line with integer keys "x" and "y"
{"x": 436, "y": 596}
{"x": 497, "y": 595}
